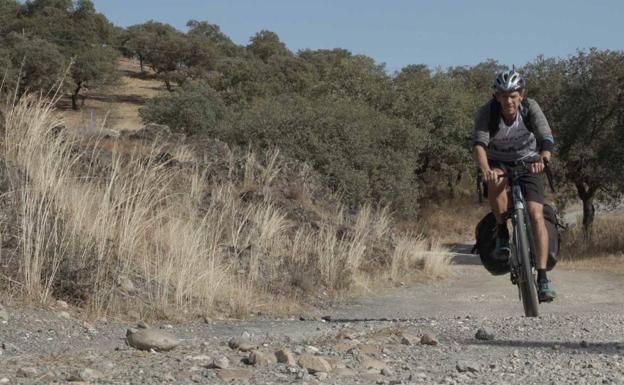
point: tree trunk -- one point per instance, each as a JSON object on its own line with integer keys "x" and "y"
{"x": 588, "y": 216}
{"x": 75, "y": 96}
{"x": 587, "y": 193}
{"x": 168, "y": 85}
{"x": 141, "y": 63}
{"x": 451, "y": 185}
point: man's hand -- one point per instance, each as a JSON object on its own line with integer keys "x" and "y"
{"x": 538, "y": 167}
{"x": 489, "y": 175}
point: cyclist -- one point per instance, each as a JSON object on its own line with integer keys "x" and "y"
{"x": 510, "y": 128}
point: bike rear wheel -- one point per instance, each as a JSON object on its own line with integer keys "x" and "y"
{"x": 526, "y": 279}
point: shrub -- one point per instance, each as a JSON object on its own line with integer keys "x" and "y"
{"x": 193, "y": 108}
{"x": 364, "y": 154}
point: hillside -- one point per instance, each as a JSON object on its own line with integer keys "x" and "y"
{"x": 116, "y": 107}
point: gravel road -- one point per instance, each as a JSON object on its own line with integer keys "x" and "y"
{"x": 579, "y": 339}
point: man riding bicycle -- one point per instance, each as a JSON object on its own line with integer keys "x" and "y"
{"x": 507, "y": 129}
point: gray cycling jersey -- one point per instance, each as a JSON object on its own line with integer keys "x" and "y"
{"x": 511, "y": 143}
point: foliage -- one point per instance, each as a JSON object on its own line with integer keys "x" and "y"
{"x": 194, "y": 108}
{"x": 72, "y": 29}
{"x": 31, "y": 64}
{"x": 363, "y": 154}
{"x": 589, "y": 117}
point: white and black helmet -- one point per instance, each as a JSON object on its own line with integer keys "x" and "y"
{"x": 508, "y": 81}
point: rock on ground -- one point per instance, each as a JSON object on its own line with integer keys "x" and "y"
{"x": 148, "y": 339}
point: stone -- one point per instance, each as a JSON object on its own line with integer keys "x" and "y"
{"x": 371, "y": 363}
{"x": 89, "y": 328}
{"x": 344, "y": 372}
{"x": 242, "y": 343}
{"x": 201, "y": 357}
{"x": 312, "y": 349}
{"x": 234, "y": 374}
{"x": 4, "y": 314}
{"x": 62, "y": 304}
{"x": 334, "y": 362}
{"x": 314, "y": 363}
{"x": 484, "y": 334}
{"x": 387, "y": 372}
{"x": 584, "y": 344}
{"x": 27, "y": 372}
{"x": 257, "y": 358}
{"x": 64, "y": 315}
{"x": 4, "y": 380}
{"x": 247, "y": 347}
{"x": 143, "y": 325}
{"x": 368, "y": 349}
{"x": 467, "y": 366}
{"x": 321, "y": 375}
{"x": 219, "y": 363}
{"x": 405, "y": 341}
{"x": 86, "y": 375}
{"x": 285, "y": 356}
{"x": 428, "y": 339}
{"x": 148, "y": 339}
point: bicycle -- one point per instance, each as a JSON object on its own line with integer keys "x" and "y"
{"x": 522, "y": 259}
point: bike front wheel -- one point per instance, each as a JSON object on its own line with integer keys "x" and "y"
{"x": 526, "y": 279}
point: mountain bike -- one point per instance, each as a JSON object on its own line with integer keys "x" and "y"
{"x": 522, "y": 260}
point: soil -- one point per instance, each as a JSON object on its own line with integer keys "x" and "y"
{"x": 577, "y": 339}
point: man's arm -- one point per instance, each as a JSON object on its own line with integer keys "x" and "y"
{"x": 480, "y": 140}
{"x": 543, "y": 135}
{"x": 541, "y": 129}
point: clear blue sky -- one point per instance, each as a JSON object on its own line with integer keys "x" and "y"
{"x": 400, "y": 32}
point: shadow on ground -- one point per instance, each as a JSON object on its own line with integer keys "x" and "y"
{"x": 462, "y": 254}
{"x": 588, "y": 347}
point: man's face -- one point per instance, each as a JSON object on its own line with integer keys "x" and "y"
{"x": 509, "y": 101}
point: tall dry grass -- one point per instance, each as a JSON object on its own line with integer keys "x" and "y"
{"x": 607, "y": 239}
{"x": 114, "y": 231}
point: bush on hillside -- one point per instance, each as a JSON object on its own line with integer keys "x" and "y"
{"x": 365, "y": 155}
{"x": 194, "y": 108}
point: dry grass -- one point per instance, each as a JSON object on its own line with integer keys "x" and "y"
{"x": 202, "y": 237}
{"x": 611, "y": 263}
{"x": 607, "y": 240}
{"x": 452, "y": 221}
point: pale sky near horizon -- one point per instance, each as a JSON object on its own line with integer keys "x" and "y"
{"x": 438, "y": 33}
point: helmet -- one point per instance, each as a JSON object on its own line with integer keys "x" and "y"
{"x": 508, "y": 81}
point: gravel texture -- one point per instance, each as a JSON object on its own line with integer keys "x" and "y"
{"x": 579, "y": 339}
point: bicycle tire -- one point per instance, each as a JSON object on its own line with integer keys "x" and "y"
{"x": 526, "y": 281}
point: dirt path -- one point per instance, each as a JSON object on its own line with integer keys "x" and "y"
{"x": 578, "y": 339}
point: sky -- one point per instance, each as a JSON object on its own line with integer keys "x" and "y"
{"x": 438, "y": 33}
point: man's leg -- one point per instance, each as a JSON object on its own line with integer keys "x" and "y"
{"x": 497, "y": 196}
{"x": 546, "y": 292}
{"x": 536, "y": 212}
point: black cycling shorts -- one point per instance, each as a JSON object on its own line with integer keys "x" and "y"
{"x": 532, "y": 184}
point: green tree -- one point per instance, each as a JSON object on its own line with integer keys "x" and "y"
{"x": 343, "y": 74}
{"x": 265, "y": 44}
{"x": 79, "y": 32}
{"x": 191, "y": 109}
{"x": 163, "y": 48}
{"x": 589, "y": 117}
{"x": 441, "y": 106}
{"x": 365, "y": 155}
{"x": 93, "y": 68}
{"x": 31, "y": 64}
